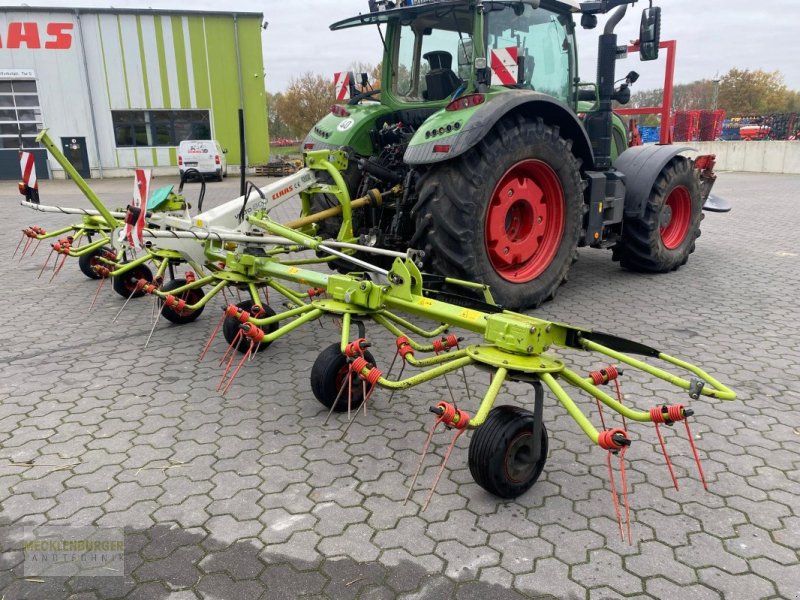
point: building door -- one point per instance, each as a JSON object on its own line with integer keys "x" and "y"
{"x": 74, "y": 148}
{"x": 20, "y": 121}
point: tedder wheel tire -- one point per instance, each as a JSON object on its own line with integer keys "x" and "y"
{"x": 230, "y": 327}
{"x": 192, "y": 297}
{"x": 507, "y": 212}
{"x": 125, "y": 284}
{"x": 329, "y": 373}
{"x": 664, "y": 238}
{"x": 501, "y": 449}
{"x": 87, "y": 262}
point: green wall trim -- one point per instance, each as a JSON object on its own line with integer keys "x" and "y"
{"x": 224, "y": 84}
{"x": 142, "y": 58}
{"x": 124, "y": 68}
{"x": 105, "y": 66}
{"x": 173, "y": 156}
{"x": 255, "y": 102}
{"x": 162, "y": 62}
{"x": 155, "y": 157}
{"x": 180, "y": 61}
{"x": 197, "y": 43}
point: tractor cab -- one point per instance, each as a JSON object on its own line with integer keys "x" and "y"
{"x": 438, "y": 51}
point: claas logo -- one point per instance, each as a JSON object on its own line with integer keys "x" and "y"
{"x": 56, "y": 36}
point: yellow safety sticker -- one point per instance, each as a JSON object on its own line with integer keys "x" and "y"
{"x": 470, "y": 315}
{"x": 425, "y": 302}
{"x": 293, "y": 270}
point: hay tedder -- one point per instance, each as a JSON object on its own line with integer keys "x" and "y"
{"x": 237, "y": 246}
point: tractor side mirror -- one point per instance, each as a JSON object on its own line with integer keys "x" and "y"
{"x": 650, "y": 33}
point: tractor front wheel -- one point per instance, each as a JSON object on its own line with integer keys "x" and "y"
{"x": 664, "y": 237}
{"x": 231, "y": 326}
{"x": 186, "y": 315}
{"x": 506, "y": 213}
{"x": 503, "y": 457}
{"x": 329, "y": 378}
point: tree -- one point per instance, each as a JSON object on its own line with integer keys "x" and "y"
{"x": 306, "y": 100}
{"x": 277, "y": 128}
{"x": 745, "y": 92}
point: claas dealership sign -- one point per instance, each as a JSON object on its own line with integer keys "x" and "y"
{"x": 52, "y": 36}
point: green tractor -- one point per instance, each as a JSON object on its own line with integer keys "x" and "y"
{"x": 505, "y": 161}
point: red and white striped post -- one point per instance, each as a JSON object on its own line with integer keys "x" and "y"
{"x": 29, "y": 186}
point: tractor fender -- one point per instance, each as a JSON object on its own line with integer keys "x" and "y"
{"x": 641, "y": 166}
{"x": 530, "y": 104}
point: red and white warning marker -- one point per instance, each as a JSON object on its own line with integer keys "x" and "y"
{"x": 505, "y": 69}
{"x": 341, "y": 85}
{"x": 134, "y": 220}
{"x": 28, "y": 168}
{"x": 29, "y": 185}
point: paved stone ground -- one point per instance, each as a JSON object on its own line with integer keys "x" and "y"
{"x": 262, "y": 500}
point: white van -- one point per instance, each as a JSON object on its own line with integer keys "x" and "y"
{"x": 207, "y": 156}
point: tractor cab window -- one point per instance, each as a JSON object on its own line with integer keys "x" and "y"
{"x": 432, "y": 63}
{"x": 543, "y": 43}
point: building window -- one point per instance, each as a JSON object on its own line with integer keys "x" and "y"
{"x": 133, "y": 128}
{"x": 20, "y": 114}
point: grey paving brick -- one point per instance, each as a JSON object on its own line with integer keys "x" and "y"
{"x": 606, "y": 567}
{"x": 355, "y": 542}
{"x": 659, "y": 587}
{"x": 737, "y": 587}
{"x": 550, "y": 577}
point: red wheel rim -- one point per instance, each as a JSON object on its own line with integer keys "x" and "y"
{"x": 676, "y": 217}
{"x": 525, "y": 221}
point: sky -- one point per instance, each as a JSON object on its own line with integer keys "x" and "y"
{"x": 713, "y": 37}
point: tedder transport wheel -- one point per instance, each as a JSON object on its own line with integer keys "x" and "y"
{"x": 501, "y": 452}
{"x": 506, "y": 213}
{"x": 87, "y": 262}
{"x": 191, "y": 297}
{"x": 125, "y": 284}
{"x": 230, "y": 327}
{"x": 328, "y": 375}
{"x": 664, "y": 238}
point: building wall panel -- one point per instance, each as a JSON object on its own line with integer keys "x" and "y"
{"x": 145, "y": 61}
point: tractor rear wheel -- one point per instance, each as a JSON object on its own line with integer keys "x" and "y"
{"x": 193, "y": 296}
{"x": 329, "y": 374}
{"x": 664, "y": 237}
{"x": 502, "y": 452}
{"x": 506, "y": 213}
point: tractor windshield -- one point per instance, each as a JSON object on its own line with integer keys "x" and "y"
{"x": 433, "y": 54}
{"x": 542, "y": 41}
